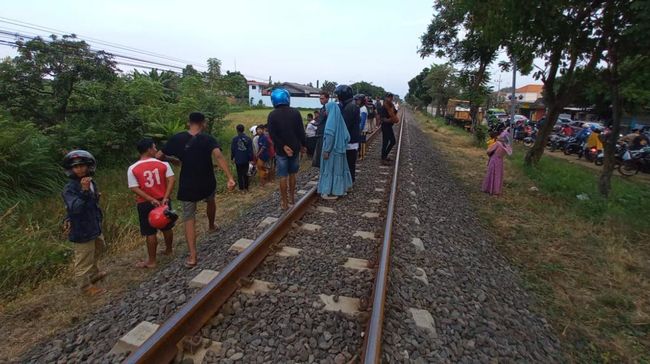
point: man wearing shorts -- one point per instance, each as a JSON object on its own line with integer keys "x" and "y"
{"x": 196, "y": 151}
{"x": 152, "y": 181}
{"x": 288, "y": 136}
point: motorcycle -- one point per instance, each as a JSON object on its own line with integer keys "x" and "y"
{"x": 590, "y": 154}
{"x": 618, "y": 154}
{"x": 635, "y": 161}
{"x": 530, "y": 139}
{"x": 557, "y": 141}
{"x": 573, "y": 145}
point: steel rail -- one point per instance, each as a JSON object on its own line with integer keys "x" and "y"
{"x": 371, "y": 352}
{"x": 163, "y": 345}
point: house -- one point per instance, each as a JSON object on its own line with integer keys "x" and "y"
{"x": 255, "y": 89}
{"x": 529, "y": 101}
{"x": 529, "y": 93}
{"x": 298, "y": 90}
{"x": 302, "y": 96}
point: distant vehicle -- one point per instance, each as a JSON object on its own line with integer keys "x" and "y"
{"x": 458, "y": 113}
{"x": 591, "y": 124}
{"x": 645, "y": 129}
{"x": 522, "y": 118}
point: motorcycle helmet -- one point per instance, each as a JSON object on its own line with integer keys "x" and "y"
{"x": 161, "y": 216}
{"x": 344, "y": 93}
{"x": 78, "y": 157}
{"x": 280, "y": 96}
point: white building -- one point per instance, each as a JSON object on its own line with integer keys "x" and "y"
{"x": 529, "y": 93}
{"x": 255, "y": 91}
{"x": 302, "y": 96}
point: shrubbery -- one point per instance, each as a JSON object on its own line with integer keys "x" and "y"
{"x": 59, "y": 95}
{"x": 28, "y": 163}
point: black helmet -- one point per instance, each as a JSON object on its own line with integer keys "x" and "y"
{"x": 361, "y": 97}
{"x": 77, "y": 157}
{"x": 344, "y": 93}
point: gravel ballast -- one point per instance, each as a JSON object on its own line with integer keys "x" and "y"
{"x": 480, "y": 312}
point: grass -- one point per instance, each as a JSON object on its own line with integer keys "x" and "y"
{"x": 585, "y": 261}
{"x": 35, "y": 269}
{"x": 32, "y": 246}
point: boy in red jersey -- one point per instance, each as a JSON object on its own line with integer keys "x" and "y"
{"x": 152, "y": 181}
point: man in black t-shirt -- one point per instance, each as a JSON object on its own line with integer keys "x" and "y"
{"x": 196, "y": 151}
{"x": 288, "y": 136}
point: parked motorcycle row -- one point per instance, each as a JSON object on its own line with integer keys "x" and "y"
{"x": 631, "y": 158}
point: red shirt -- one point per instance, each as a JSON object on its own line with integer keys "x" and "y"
{"x": 150, "y": 175}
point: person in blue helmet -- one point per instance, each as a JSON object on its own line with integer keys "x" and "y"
{"x": 288, "y": 136}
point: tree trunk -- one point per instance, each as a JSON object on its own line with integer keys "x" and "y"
{"x": 535, "y": 153}
{"x": 605, "y": 180}
{"x": 476, "y": 88}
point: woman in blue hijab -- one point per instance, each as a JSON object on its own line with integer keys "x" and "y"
{"x": 335, "y": 178}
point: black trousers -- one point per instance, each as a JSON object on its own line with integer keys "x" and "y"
{"x": 318, "y": 148}
{"x": 242, "y": 176}
{"x": 352, "y": 161}
{"x": 388, "y": 139}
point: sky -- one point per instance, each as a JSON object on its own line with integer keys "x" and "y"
{"x": 291, "y": 41}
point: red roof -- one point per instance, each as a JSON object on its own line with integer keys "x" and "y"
{"x": 257, "y": 83}
{"x": 530, "y": 89}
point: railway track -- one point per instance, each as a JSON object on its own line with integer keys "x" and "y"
{"x": 266, "y": 290}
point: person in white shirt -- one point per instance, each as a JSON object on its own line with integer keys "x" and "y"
{"x": 310, "y": 132}
{"x": 360, "y": 100}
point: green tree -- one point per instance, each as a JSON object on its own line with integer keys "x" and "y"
{"x": 419, "y": 90}
{"x": 368, "y": 89}
{"x": 38, "y": 83}
{"x": 442, "y": 85}
{"x": 468, "y": 33}
{"x": 214, "y": 70}
{"x": 624, "y": 34}
{"x": 563, "y": 36}
{"x": 328, "y": 86}
{"x": 235, "y": 84}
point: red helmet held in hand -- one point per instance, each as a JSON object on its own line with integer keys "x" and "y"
{"x": 161, "y": 216}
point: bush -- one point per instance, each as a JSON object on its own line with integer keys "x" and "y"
{"x": 480, "y": 135}
{"x": 29, "y": 167}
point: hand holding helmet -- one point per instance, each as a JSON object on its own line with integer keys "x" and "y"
{"x": 161, "y": 217}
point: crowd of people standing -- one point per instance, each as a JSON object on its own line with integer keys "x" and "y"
{"x": 334, "y": 138}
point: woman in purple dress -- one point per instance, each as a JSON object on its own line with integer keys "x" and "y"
{"x": 493, "y": 181}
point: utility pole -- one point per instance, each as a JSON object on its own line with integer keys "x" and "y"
{"x": 514, "y": 97}
{"x": 498, "y": 90}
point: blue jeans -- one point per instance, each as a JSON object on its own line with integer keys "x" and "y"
{"x": 287, "y": 165}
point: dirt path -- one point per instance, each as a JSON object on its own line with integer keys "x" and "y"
{"x": 643, "y": 177}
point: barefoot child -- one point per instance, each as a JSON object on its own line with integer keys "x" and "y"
{"x": 84, "y": 219}
{"x": 152, "y": 181}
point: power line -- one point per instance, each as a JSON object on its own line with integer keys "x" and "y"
{"x": 95, "y": 40}
{"x": 116, "y": 55}
{"x": 122, "y": 63}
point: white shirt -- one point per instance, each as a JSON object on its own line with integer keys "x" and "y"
{"x": 310, "y": 131}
